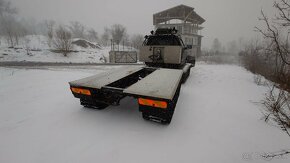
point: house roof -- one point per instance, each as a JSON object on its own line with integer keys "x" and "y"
{"x": 181, "y": 12}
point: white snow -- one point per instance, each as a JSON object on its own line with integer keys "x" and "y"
{"x": 216, "y": 120}
{"x": 39, "y": 51}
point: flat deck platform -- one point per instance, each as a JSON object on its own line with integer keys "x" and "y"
{"x": 162, "y": 83}
{"x": 100, "y": 80}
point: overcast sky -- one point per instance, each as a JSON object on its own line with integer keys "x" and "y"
{"x": 225, "y": 19}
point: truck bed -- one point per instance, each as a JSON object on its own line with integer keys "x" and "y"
{"x": 162, "y": 83}
{"x": 159, "y": 83}
{"x": 100, "y": 80}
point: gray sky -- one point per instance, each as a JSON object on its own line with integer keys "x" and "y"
{"x": 225, "y": 19}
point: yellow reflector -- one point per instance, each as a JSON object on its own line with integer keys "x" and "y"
{"x": 153, "y": 103}
{"x": 81, "y": 91}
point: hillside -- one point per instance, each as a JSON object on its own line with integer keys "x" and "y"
{"x": 34, "y": 48}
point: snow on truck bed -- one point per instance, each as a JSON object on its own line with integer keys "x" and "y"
{"x": 100, "y": 80}
{"x": 162, "y": 83}
{"x": 216, "y": 120}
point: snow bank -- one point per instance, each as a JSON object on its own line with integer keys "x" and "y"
{"x": 84, "y": 44}
{"x": 216, "y": 120}
{"x": 34, "y": 48}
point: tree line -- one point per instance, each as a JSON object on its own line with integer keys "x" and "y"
{"x": 270, "y": 58}
{"x": 267, "y": 58}
{"x": 60, "y": 36}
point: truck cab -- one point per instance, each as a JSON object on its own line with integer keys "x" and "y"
{"x": 164, "y": 48}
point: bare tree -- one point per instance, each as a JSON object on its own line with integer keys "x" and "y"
{"x": 50, "y": 28}
{"x": 12, "y": 29}
{"x": 137, "y": 40}
{"x": 216, "y": 46}
{"x": 7, "y": 25}
{"x": 92, "y": 35}
{"x": 30, "y": 25}
{"x": 125, "y": 40}
{"x": 77, "y": 29}
{"x": 277, "y": 104}
{"x": 7, "y": 21}
{"x": 233, "y": 47}
{"x": 63, "y": 40}
{"x": 105, "y": 36}
{"x": 118, "y": 31}
{"x": 277, "y": 35}
{"x": 255, "y": 59}
{"x": 277, "y": 29}
{"x": 5, "y": 7}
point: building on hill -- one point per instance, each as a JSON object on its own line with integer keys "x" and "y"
{"x": 186, "y": 21}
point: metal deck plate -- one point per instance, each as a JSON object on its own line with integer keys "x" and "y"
{"x": 162, "y": 83}
{"x": 103, "y": 79}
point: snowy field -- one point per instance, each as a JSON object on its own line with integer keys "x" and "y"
{"x": 34, "y": 48}
{"x": 216, "y": 121}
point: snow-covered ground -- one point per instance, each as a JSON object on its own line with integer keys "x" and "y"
{"x": 34, "y": 48}
{"x": 216, "y": 121}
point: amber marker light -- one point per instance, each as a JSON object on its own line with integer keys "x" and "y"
{"x": 152, "y": 103}
{"x": 81, "y": 91}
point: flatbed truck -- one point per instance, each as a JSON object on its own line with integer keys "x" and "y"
{"x": 156, "y": 85}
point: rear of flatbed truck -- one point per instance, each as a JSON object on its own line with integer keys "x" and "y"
{"x": 156, "y": 89}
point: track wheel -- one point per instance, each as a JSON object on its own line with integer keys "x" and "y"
{"x": 167, "y": 120}
{"x": 151, "y": 114}
{"x": 93, "y": 104}
{"x": 185, "y": 76}
{"x": 146, "y": 116}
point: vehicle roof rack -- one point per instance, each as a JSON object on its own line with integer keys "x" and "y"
{"x": 165, "y": 31}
